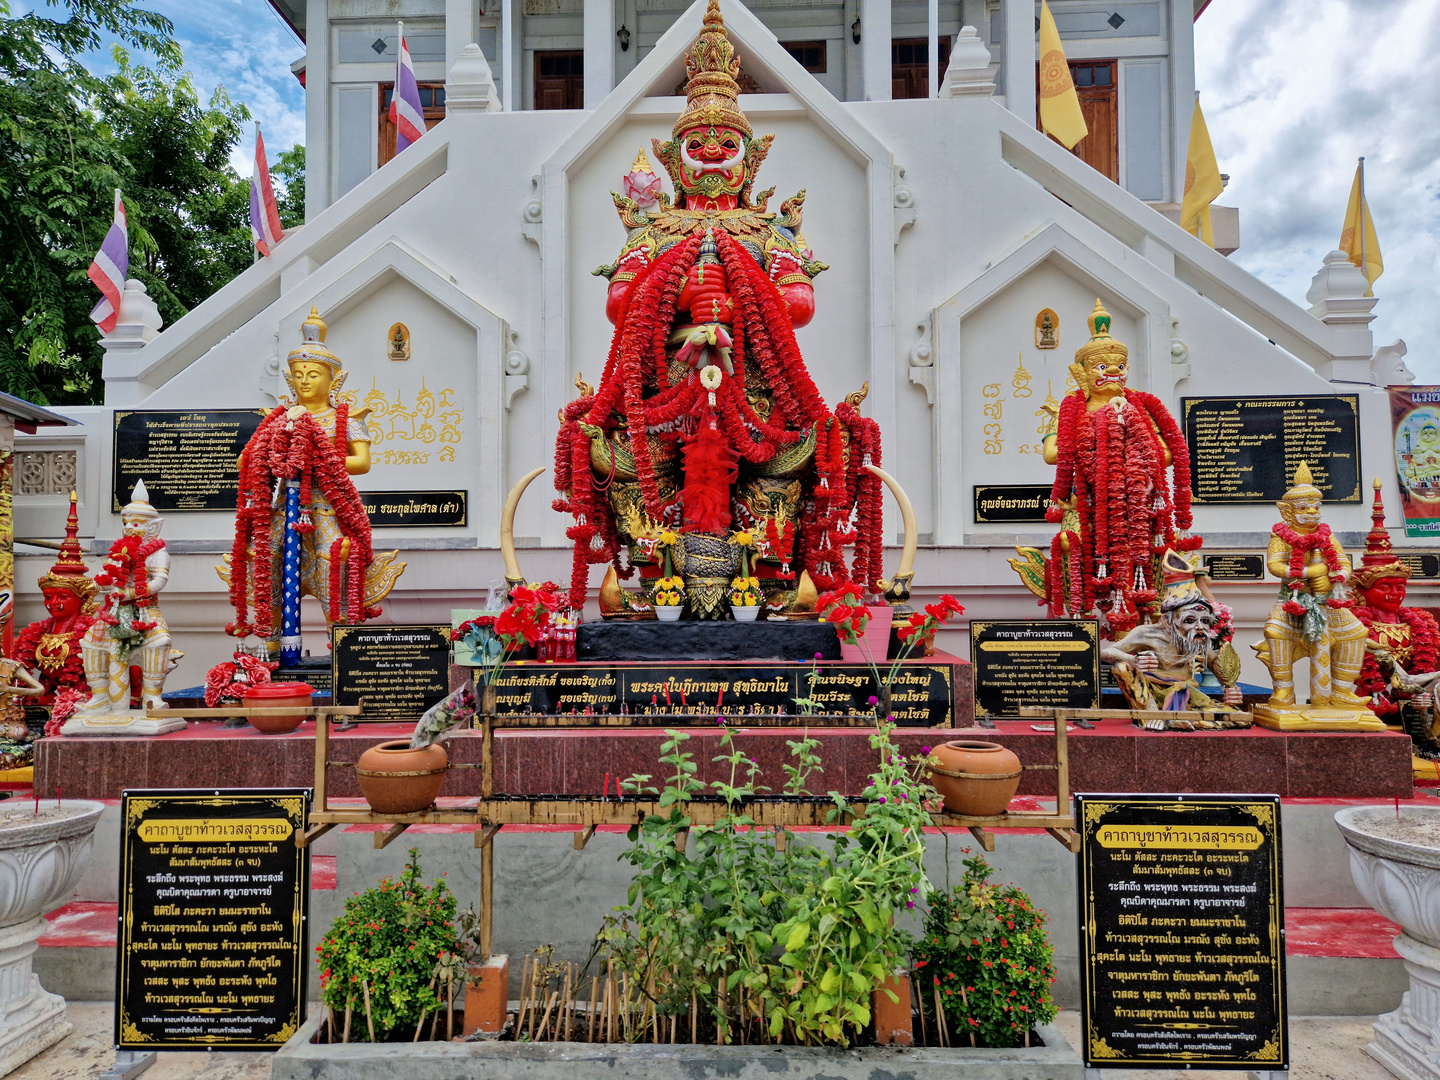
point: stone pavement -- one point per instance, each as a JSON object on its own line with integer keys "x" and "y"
{"x": 1321, "y": 1047}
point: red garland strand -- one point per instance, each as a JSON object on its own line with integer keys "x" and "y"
{"x": 1424, "y": 655}
{"x": 72, "y": 672}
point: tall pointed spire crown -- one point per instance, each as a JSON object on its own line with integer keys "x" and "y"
{"x": 1100, "y": 343}
{"x": 712, "y": 95}
{"x": 70, "y": 571}
{"x": 1379, "y": 560}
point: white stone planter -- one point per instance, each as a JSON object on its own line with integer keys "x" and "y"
{"x": 1399, "y": 876}
{"x": 41, "y": 859}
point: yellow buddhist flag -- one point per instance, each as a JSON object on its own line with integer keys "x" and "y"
{"x": 1202, "y": 180}
{"x": 1060, "y": 113}
{"x": 1357, "y": 238}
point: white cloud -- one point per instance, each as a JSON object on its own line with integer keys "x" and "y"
{"x": 1293, "y": 92}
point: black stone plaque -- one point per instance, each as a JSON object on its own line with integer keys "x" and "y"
{"x": 1236, "y": 567}
{"x": 1182, "y": 932}
{"x": 188, "y": 460}
{"x": 214, "y": 902}
{"x": 922, "y": 694}
{"x": 398, "y": 671}
{"x": 1050, "y": 663}
{"x": 1422, "y": 564}
{"x": 314, "y": 670}
{"x": 415, "y": 509}
{"x": 1022, "y": 503}
{"x": 649, "y": 639}
{"x": 1246, "y": 450}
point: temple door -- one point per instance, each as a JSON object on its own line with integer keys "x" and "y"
{"x": 910, "y": 66}
{"x": 560, "y": 79}
{"x": 432, "y": 101}
{"x": 1095, "y": 86}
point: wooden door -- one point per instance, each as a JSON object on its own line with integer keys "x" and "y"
{"x": 432, "y": 103}
{"x": 1095, "y": 86}
{"x": 910, "y": 66}
{"x": 559, "y": 79}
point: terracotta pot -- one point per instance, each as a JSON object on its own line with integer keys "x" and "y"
{"x": 278, "y": 695}
{"x": 397, "y": 780}
{"x": 977, "y": 779}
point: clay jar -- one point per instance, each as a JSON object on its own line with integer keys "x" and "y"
{"x": 977, "y": 779}
{"x": 276, "y": 696}
{"x": 397, "y": 780}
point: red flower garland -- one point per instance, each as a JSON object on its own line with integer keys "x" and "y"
{"x": 296, "y": 448}
{"x": 1301, "y": 544}
{"x": 846, "y": 503}
{"x": 126, "y": 568}
{"x": 1424, "y": 654}
{"x": 72, "y": 672}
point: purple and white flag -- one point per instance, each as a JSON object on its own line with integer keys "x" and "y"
{"x": 265, "y": 227}
{"x": 108, "y": 270}
{"x": 406, "y": 112}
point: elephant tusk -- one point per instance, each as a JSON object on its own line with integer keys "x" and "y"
{"x": 906, "y": 572}
{"x": 513, "y": 577}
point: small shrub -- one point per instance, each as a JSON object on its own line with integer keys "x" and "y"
{"x": 986, "y": 950}
{"x": 392, "y": 936}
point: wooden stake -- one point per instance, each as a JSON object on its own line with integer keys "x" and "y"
{"x": 562, "y": 1022}
{"x": 524, "y": 990}
{"x": 535, "y": 991}
{"x": 965, "y": 1000}
{"x": 549, "y": 1006}
{"x": 420, "y": 1024}
{"x": 329, "y": 1024}
{"x": 449, "y": 1005}
{"x": 694, "y": 1019}
{"x": 594, "y": 1005}
{"x": 348, "y": 1003}
{"x": 940, "y": 1024}
{"x": 369, "y": 1020}
{"x": 919, "y": 1007}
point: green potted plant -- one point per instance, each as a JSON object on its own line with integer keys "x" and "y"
{"x": 986, "y": 960}
{"x": 390, "y": 960}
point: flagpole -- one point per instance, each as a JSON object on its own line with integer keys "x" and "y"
{"x": 1364, "y": 267}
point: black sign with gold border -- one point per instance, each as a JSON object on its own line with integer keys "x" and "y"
{"x": 415, "y": 509}
{"x": 1182, "y": 932}
{"x": 1246, "y": 450}
{"x": 189, "y": 460}
{"x": 1011, "y": 503}
{"x": 214, "y": 898}
{"x": 922, "y": 694}
{"x": 1047, "y": 663}
{"x": 398, "y": 671}
{"x": 1235, "y": 566}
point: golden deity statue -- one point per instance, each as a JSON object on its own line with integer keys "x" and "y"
{"x": 1311, "y": 620}
{"x": 300, "y": 526}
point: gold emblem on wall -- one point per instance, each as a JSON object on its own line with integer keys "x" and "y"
{"x": 1047, "y": 330}
{"x": 397, "y": 342}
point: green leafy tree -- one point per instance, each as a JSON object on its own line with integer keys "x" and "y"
{"x": 68, "y": 138}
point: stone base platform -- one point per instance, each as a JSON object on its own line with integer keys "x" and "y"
{"x": 1114, "y": 756}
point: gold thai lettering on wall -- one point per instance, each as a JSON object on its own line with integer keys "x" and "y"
{"x": 1046, "y": 414}
{"x": 994, "y": 411}
{"x": 428, "y": 429}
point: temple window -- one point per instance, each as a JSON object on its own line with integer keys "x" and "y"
{"x": 809, "y": 54}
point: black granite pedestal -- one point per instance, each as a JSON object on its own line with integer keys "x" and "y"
{"x": 652, "y": 640}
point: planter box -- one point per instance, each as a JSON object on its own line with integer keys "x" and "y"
{"x": 299, "y": 1059}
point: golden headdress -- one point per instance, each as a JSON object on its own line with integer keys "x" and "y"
{"x": 1379, "y": 559}
{"x": 70, "y": 572}
{"x": 1100, "y": 343}
{"x": 312, "y": 346}
{"x": 711, "y": 92}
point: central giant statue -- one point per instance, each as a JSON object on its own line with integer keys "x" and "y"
{"x": 706, "y": 434}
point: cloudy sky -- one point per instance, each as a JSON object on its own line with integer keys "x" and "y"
{"x": 1293, "y": 92}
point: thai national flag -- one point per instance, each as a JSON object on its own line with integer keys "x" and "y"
{"x": 108, "y": 269}
{"x": 264, "y": 213}
{"x": 405, "y": 110}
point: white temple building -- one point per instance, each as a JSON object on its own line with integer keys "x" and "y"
{"x": 949, "y": 222}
